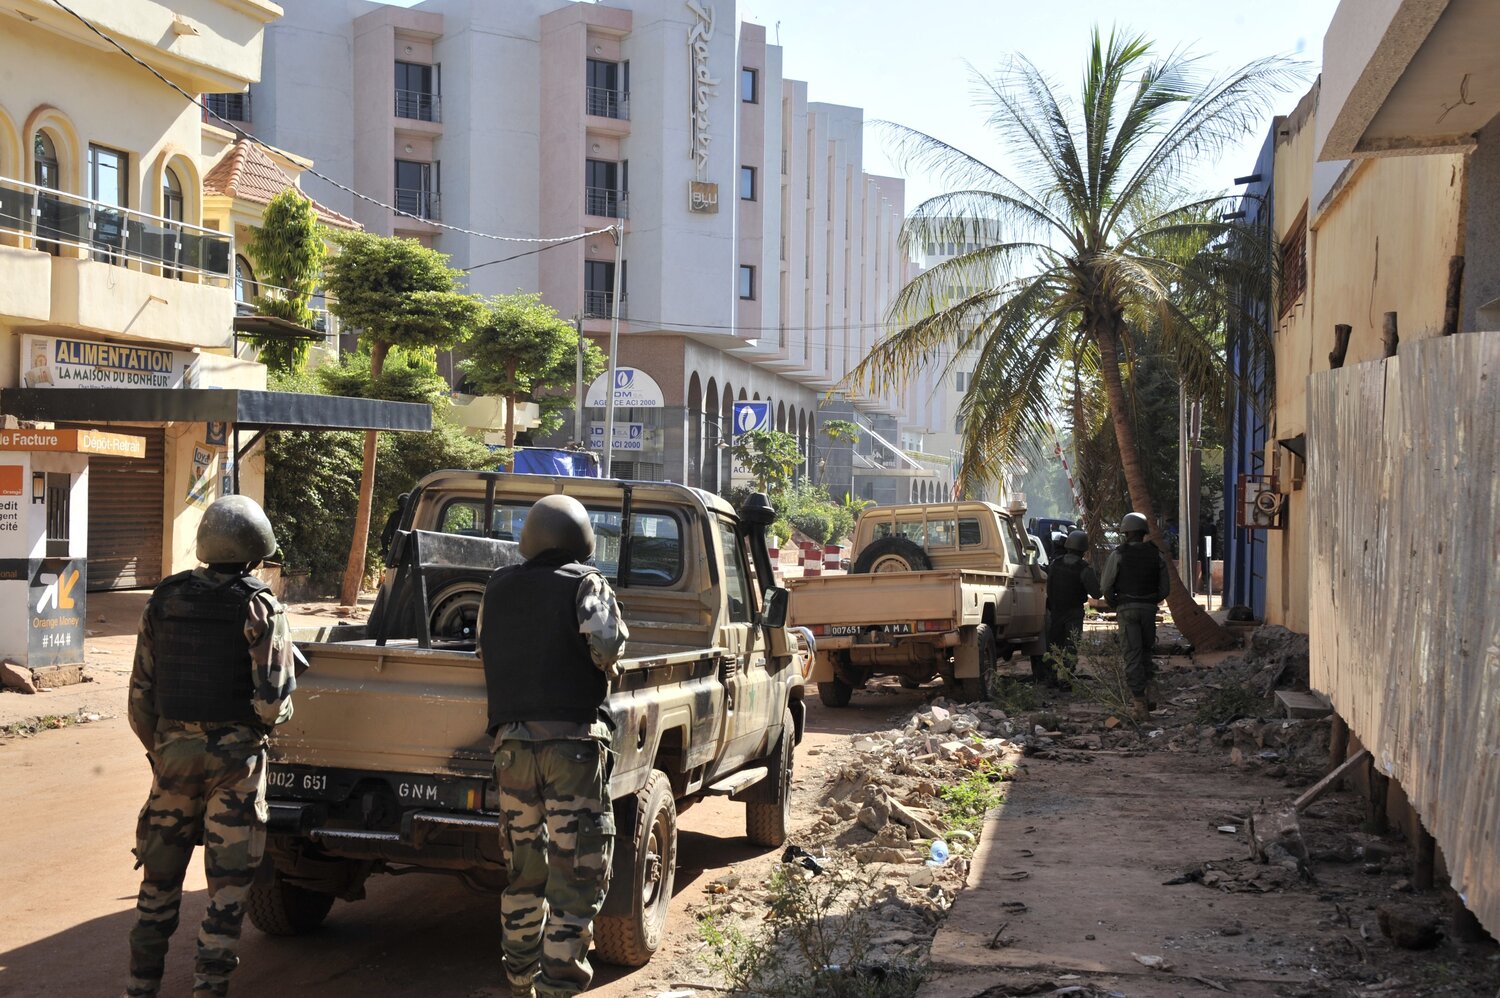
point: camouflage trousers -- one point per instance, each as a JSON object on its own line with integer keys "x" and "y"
{"x": 1138, "y": 636}
{"x": 557, "y": 833}
{"x": 209, "y": 785}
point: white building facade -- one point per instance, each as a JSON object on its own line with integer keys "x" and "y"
{"x": 759, "y": 258}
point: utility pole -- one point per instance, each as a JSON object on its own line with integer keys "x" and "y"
{"x": 618, "y": 231}
{"x": 579, "y": 388}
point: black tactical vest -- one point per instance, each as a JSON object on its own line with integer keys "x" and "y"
{"x": 203, "y": 670}
{"x": 1065, "y": 589}
{"x": 1140, "y": 572}
{"x": 537, "y": 665}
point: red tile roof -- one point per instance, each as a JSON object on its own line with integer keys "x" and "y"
{"x": 247, "y": 172}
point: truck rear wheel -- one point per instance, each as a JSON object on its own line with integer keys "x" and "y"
{"x": 630, "y": 927}
{"x": 767, "y": 821}
{"x": 892, "y": 554}
{"x": 976, "y": 688}
{"x": 280, "y": 908}
{"x": 835, "y": 692}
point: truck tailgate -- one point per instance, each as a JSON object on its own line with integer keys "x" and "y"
{"x": 404, "y": 709}
{"x": 877, "y": 598}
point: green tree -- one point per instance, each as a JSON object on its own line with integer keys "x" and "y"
{"x": 288, "y": 248}
{"x": 397, "y": 293}
{"x": 770, "y": 456}
{"x": 1091, "y": 241}
{"x": 524, "y": 351}
{"x": 316, "y": 525}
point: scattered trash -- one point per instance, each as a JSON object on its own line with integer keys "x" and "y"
{"x": 798, "y": 856}
{"x": 938, "y": 855}
{"x": 1229, "y": 829}
{"x": 1152, "y": 962}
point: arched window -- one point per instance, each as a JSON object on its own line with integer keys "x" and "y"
{"x": 244, "y": 280}
{"x": 46, "y": 171}
{"x": 171, "y": 195}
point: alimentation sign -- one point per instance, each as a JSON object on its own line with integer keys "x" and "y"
{"x": 58, "y": 362}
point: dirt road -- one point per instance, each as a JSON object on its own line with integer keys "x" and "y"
{"x": 68, "y": 803}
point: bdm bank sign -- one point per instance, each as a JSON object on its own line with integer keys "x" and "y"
{"x": 634, "y": 389}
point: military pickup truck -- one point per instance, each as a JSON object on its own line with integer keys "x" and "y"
{"x": 941, "y": 589}
{"x": 386, "y": 767}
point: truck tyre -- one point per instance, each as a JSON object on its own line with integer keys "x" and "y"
{"x": 976, "y": 688}
{"x": 280, "y": 908}
{"x": 892, "y": 554}
{"x": 634, "y": 918}
{"x": 835, "y": 692}
{"x": 455, "y": 612}
{"x": 766, "y": 822}
{"x": 989, "y": 661}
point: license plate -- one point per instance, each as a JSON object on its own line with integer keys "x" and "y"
{"x": 852, "y": 630}
{"x": 333, "y": 785}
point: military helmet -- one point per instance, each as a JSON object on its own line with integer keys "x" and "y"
{"x": 235, "y": 531}
{"x": 1077, "y": 541}
{"x": 558, "y": 522}
{"x": 1134, "y": 523}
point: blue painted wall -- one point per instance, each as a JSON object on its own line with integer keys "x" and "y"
{"x": 1249, "y": 406}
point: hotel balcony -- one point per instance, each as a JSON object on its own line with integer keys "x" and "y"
{"x": 76, "y": 262}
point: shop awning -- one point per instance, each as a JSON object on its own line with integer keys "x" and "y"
{"x": 244, "y": 408}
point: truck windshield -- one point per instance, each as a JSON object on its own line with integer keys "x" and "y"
{"x": 655, "y": 546}
{"x": 1012, "y": 543}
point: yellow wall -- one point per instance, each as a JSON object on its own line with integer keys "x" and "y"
{"x": 1379, "y": 242}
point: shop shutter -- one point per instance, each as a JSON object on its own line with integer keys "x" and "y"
{"x": 126, "y": 516}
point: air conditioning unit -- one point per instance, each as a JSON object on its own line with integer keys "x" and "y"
{"x": 1261, "y": 505}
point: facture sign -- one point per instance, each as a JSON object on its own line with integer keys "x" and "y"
{"x": 56, "y": 362}
{"x": 74, "y": 442}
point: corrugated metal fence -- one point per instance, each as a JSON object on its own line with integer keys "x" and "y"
{"x": 1404, "y": 493}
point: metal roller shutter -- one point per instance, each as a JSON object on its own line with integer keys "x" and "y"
{"x": 126, "y": 515}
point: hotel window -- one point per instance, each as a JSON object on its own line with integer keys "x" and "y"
{"x": 417, "y": 91}
{"x": 747, "y": 282}
{"x": 416, "y": 188}
{"x": 750, "y": 85}
{"x": 747, "y": 183}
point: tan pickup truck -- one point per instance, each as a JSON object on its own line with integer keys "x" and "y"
{"x": 386, "y": 766}
{"x": 942, "y": 589}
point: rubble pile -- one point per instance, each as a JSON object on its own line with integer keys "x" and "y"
{"x": 883, "y": 821}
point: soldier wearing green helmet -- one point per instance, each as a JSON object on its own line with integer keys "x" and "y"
{"x": 1135, "y": 582}
{"x": 213, "y": 673}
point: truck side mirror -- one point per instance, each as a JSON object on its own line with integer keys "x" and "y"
{"x": 774, "y": 613}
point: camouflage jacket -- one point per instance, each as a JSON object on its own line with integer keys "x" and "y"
{"x": 271, "y": 663}
{"x": 602, "y": 623}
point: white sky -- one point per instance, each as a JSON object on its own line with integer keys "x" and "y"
{"x": 910, "y": 61}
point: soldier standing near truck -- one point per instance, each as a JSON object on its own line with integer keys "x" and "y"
{"x": 1070, "y": 582}
{"x": 550, "y": 635}
{"x": 213, "y": 674}
{"x": 1135, "y": 583}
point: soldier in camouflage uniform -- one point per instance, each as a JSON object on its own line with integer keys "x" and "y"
{"x": 213, "y": 674}
{"x": 1135, "y": 582}
{"x": 550, "y": 635}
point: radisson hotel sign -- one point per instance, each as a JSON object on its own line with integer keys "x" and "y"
{"x": 703, "y": 195}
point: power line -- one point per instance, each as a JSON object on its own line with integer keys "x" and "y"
{"x": 242, "y": 133}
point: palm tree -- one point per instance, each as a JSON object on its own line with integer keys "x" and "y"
{"x": 1089, "y": 249}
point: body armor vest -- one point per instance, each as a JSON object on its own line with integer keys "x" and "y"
{"x": 1065, "y": 589}
{"x": 537, "y": 665}
{"x": 1139, "y": 574}
{"x": 201, "y": 655}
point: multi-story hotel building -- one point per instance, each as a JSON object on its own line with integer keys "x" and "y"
{"x": 758, "y": 258}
